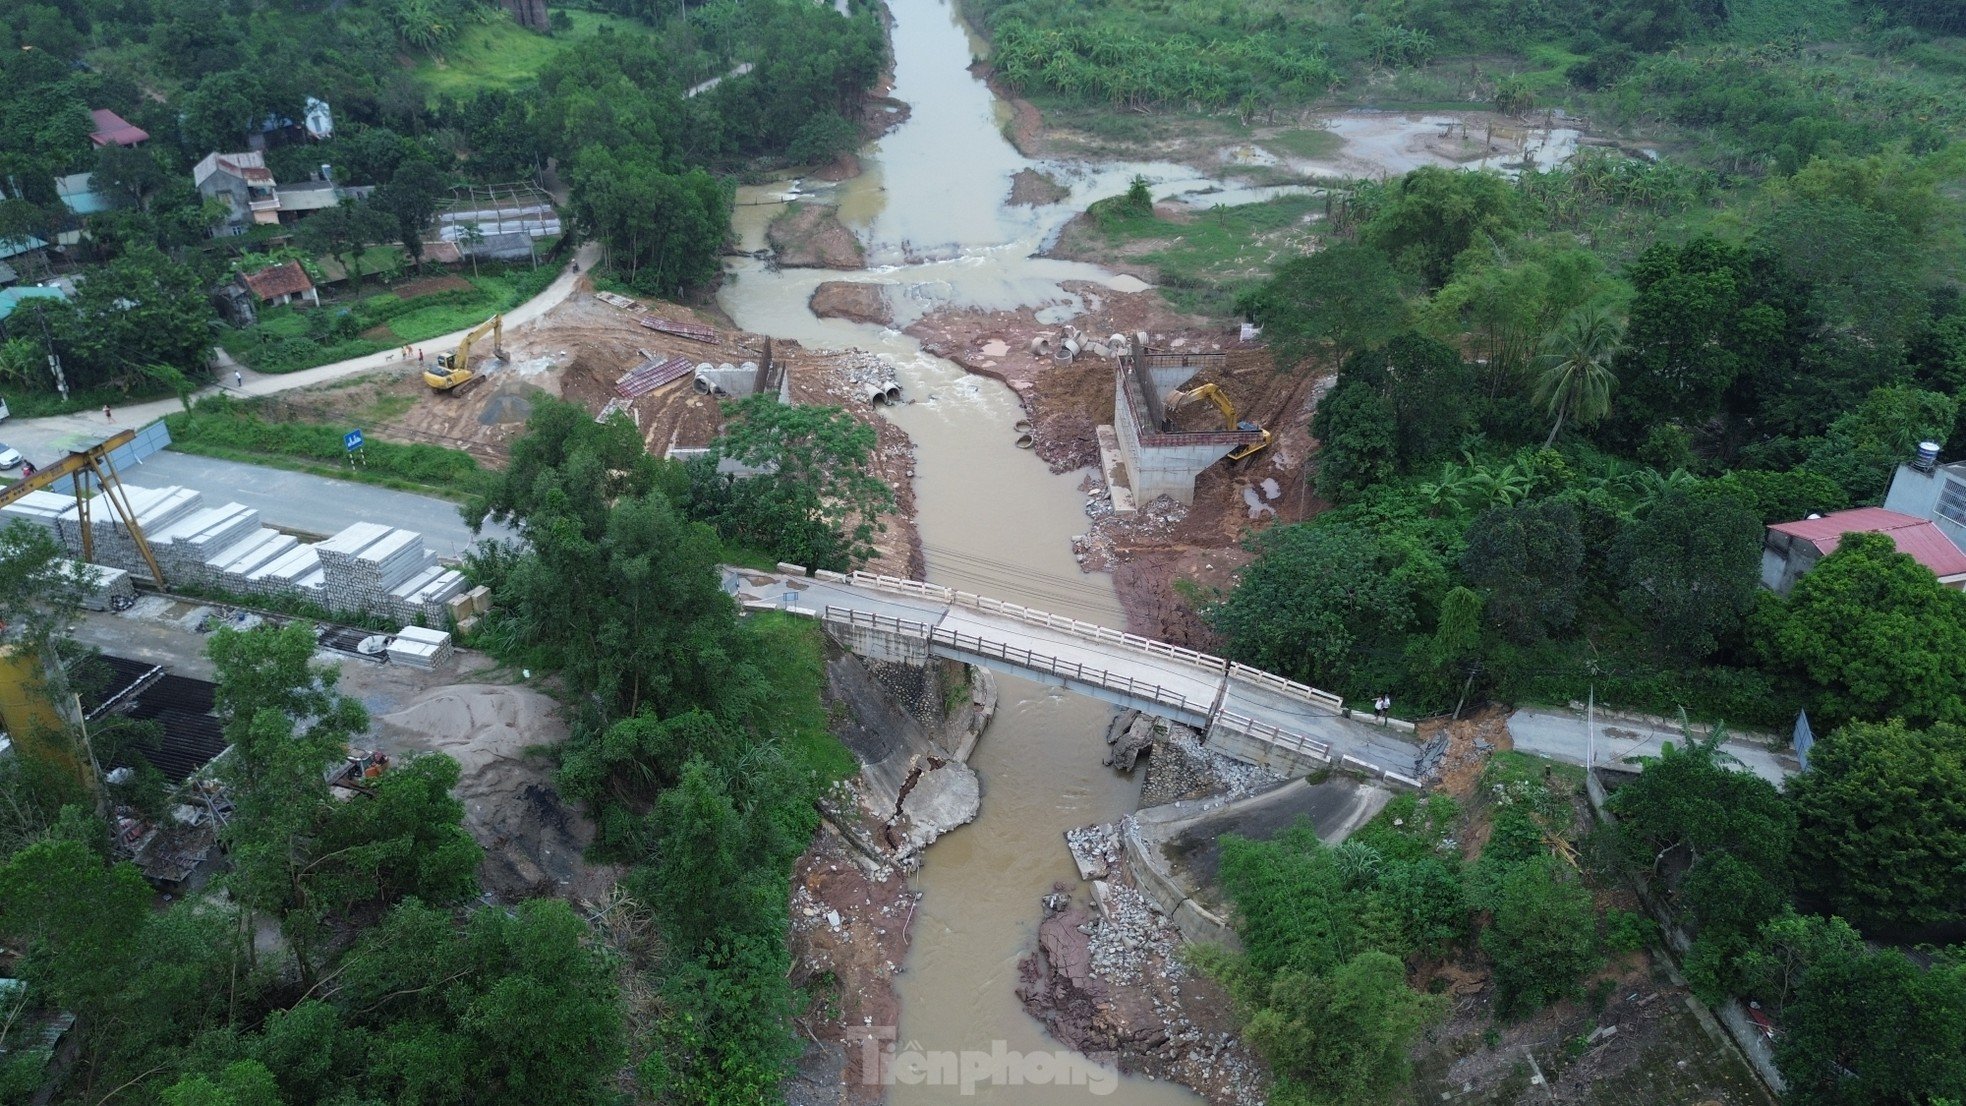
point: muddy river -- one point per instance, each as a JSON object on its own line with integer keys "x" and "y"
{"x": 931, "y": 210}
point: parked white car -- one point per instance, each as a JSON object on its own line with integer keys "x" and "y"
{"x": 10, "y": 457}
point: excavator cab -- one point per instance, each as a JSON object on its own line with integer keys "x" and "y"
{"x": 1214, "y": 394}
{"x": 454, "y": 367}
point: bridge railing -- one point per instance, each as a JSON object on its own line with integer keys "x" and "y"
{"x": 1084, "y": 673}
{"x": 1323, "y": 699}
{"x": 1011, "y": 654}
{"x": 1091, "y": 631}
{"x": 1275, "y": 735}
{"x": 886, "y": 623}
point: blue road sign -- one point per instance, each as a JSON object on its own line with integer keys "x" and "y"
{"x": 352, "y": 440}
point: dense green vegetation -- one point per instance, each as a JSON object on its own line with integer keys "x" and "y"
{"x": 338, "y": 965}
{"x": 1764, "y": 880}
{"x": 699, "y": 742}
{"x": 1332, "y": 935}
{"x": 428, "y": 96}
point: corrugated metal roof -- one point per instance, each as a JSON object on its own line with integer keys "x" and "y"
{"x": 1924, "y": 541}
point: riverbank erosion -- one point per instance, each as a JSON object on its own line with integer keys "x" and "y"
{"x": 808, "y": 235}
{"x": 1066, "y": 401}
{"x": 1109, "y": 974}
{"x": 912, "y": 728}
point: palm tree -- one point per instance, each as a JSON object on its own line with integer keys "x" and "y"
{"x": 1574, "y": 379}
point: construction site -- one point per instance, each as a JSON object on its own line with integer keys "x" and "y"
{"x": 667, "y": 368}
{"x": 1182, "y": 471}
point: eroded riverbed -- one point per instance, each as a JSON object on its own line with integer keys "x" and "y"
{"x": 931, "y": 209}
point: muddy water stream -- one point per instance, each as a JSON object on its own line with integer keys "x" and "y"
{"x": 931, "y": 208}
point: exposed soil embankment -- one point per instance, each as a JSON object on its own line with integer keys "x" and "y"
{"x": 859, "y": 301}
{"x": 1149, "y": 550}
{"x": 811, "y": 236}
{"x": 912, "y": 730}
{"x": 1107, "y": 975}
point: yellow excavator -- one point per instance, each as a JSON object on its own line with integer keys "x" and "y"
{"x": 1215, "y": 395}
{"x": 453, "y": 369}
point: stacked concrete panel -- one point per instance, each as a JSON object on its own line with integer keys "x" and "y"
{"x": 368, "y": 567}
{"x": 51, "y": 511}
{"x": 366, "y": 562}
{"x": 186, "y": 548}
{"x": 418, "y": 647}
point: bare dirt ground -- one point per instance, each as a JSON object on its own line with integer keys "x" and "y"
{"x": 1165, "y": 542}
{"x": 849, "y": 939}
{"x": 860, "y": 301}
{"x": 499, "y": 734}
{"x": 576, "y": 352}
{"x": 1031, "y": 188}
{"x": 807, "y": 235}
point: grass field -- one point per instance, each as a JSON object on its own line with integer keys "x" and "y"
{"x": 1206, "y": 260}
{"x": 502, "y": 54}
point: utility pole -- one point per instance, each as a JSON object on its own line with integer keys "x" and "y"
{"x": 54, "y": 361}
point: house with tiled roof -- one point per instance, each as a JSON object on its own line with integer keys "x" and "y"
{"x": 1793, "y": 548}
{"x": 112, "y": 129}
{"x": 251, "y": 195}
{"x": 281, "y": 284}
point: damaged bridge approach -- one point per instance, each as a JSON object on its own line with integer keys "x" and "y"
{"x": 1245, "y": 713}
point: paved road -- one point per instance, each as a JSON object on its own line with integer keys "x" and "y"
{"x": 303, "y": 501}
{"x": 43, "y": 439}
{"x": 1202, "y": 687}
{"x": 1561, "y": 735}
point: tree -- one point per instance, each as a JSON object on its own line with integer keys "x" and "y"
{"x": 1428, "y": 217}
{"x": 1506, "y": 300}
{"x": 815, "y": 498}
{"x": 141, "y": 308}
{"x": 286, "y": 724}
{"x": 1687, "y": 570}
{"x": 1883, "y": 822}
{"x": 1527, "y": 560}
{"x": 406, "y": 840}
{"x": 411, "y": 197}
{"x": 612, "y": 586}
{"x": 1341, "y": 299}
{"x": 1320, "y": 598}
{"x": 1872, "y": 1029}
{"x": 1873, "y": 633}
{"x": 1358, "y": 441}
{"x": 1867, "y": 443}
{"x": 1344, "y": 1038}
{"x": 1541, "y": 937}
{"x": 1573, "y": 375}
{"x": 1430, "y": 392}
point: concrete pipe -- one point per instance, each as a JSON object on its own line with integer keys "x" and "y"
{"x": 1025, "y": 441}
{"x": 702, "y": 384}
{"x": 1040, "y": 346}
{"x": 1022, "y": 426}
{"x": 873, "y": 393}
{"x": 1068, "y": 350}
{"x": 892, "y": 392}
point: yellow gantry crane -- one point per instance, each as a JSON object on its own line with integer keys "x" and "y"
{"x": 454, "y": 368}
{"x": 1214, "y": 394}
{"x": 94, "y": 462}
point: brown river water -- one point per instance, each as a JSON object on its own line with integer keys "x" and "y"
{"x": 930, "y": 207}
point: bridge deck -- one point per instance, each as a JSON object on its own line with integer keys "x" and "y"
{"x": 1117, "y": 666}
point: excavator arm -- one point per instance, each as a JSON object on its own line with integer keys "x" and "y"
{"x": 1214, "y": 394}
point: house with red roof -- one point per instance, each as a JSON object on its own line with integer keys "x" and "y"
{"x": 281, "y": 284}
{"x": 1793, "y": 548}
{"x": 112, "y": 129}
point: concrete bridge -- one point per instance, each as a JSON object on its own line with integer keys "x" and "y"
{"x": 1243, "y": 712}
